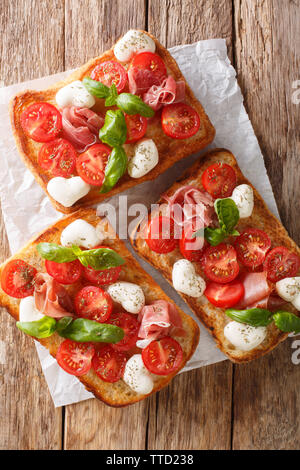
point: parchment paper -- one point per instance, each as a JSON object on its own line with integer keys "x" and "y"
{"x": 27, "y": 211}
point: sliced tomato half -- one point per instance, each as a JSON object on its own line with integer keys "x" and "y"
{"x": 91, "y": 164}
{"x": 58, "y": 157}
{"x": 64, "y": 273}
{"x": 220, "y": 263}
{"x": 17, "y": 278}
{"x": 192, "y": 248}
{"x": 110, "y": 72}
{"x": 180, "y": 121}
{"x": 75, "y": 358}
{"x": 281, "y": 263}
{"x": 219, "y": 180}
{"x": 93, "y": 303}
{"x": 152, "y": 68}
{"x": 224, "y": 295}
{"x": 131, "y": 327}
{"x": 41, "y": 122}
{"x": 136, "y": 127}
{"x": 251, "y": 247}
{"x": 109, "y": 364}
{"x": 161, "y": 235}
{"x": 163, "y": 357}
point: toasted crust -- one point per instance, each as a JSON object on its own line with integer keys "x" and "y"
{"x": 214, "y": 318}
{"x": 170, "y": 150}
{"x": 117, "y": 394}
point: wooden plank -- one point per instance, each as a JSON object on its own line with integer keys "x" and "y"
{"x": 267, "y": 40}
{"x": 29, "y": 47}
{"x": 194, "y": 412}
{"x": 93, "y": 425}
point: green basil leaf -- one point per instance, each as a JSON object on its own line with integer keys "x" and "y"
{"x": 42, "y": 328}
{"x": 96, "y": 88}
{"x": 234, "y": 233}
{"x": 112, "y": 97}
{"x": 115, "y": 168}
{"x": 214, "y": 236}
{"x": 62, "y": 324}
{"x": 54, "y": 252}
{"x": 101, "y": 258}
{"x": 228, "y": 214}
{"x": 251, "y": 316}
{"x": 114, "y": 131}
{"x": 286, "y": 321}
{"x": 84, "y": 330}
{"x": 132, "y": 104}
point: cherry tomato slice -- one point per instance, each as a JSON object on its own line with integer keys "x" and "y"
{"x": 17, "y": 279}
{"x": 192, "y": 248}
{"x": 41, "y": 122}
{"x": 93, "y": 303}
{"x": 75, "y": 358}
{"x": 219, "y": 180}
{"x": 102, "y": 277}
{"x": 131, "y": 327}
{"x": 64, "y": 273}
{"x": 281, "y": 263}
{"x": 180, "y": 121}
{"x": 224, "y": 295}
{"x": 220, "y": 263}
{"x": 153, "y": 69}
{"x": 161, "y": 235}
{"x": 163, "y": 357}
{"x": 58, "y": 157}
{"x": 91, "y": 164}
{"x": 251, "y": 247}
{"x": 110, "y": 72}
{"x": 109, "y": 364}
{"x": 136, "y": 127}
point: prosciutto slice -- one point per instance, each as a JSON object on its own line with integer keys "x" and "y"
{"x": 81, "y": 126}
{"x": 159, "y": 319}
{"x": 51, "y": 298}
{"x": 257, "y": 290}
{"x": 140, "y": 80}
{"x": 168, "y": 92}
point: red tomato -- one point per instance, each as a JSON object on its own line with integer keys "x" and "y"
{"x": 109, "y": 364}
{"x": 64, "y": 273}
{"x": 281, "y": 263}
{"x": 131, "y": 327}
{"x": 102, "y": 277}
{"x": 192, "y": 248}
{"x": 219, "y": 180}
{"x": 136, "y": 127}
{"x": 154, "y": 66}
{"x": 75, "y": 358}
{"x": 93, "y": 303}
{"x": 251, "y": 247}
{"x": 91, "y": 164}
{"x": 161, "y": 235}
{"x": 220, "y": 263}
{"x": 163, "y": 357}
{"x": 17, "y": 278}
{"x": 110, "y": 72}
{"x": 180, "y": 121}
{"x": 224, "y": 295}
{"x": 58, "y": 157}
{"x": 41, "y": 122}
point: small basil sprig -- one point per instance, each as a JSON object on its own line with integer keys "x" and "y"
{"x": 251, "y": 316}
{"x": 42, "y": 328}
{"x": 97, "y": 258}
{"x": 84, "y": 330}
{"x": 132, "y": 104}
{"x": 287, "y": 321}
{"x": 100, "y": 90}
{"x": 115, "y": 168}
{"x": 114, "y": 130}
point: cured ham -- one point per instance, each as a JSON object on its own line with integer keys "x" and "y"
{"x": 81, "y": 126}
{"x": 51, "y": 298}
{"x": 257, "y": 290}
{"x": 167, "y": 92}
{"x": 140, "y": 80}
{"x": 159, "y": 319}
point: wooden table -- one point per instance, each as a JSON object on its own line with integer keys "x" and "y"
{"x": 255, "y": 406}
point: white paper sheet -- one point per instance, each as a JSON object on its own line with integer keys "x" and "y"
{"x": 27, "y": 210}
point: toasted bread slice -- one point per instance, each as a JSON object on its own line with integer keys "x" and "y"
{"x": 214, "y": 318}
{"x": 114, "y": 394}
{"x": 170, "y": 150}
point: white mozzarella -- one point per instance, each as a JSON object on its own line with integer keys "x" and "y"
{"x": 129, "y": 295}
{"x": 132, "y": 42}
{"x": 186, "y": 280}
{"x": 67, "y": 191}
{"x": 244, "y": 337}
{"x": 28, "y": 310}
{"x": 74, "y": 94}
{"x": 243, "y": 196}
{"x": 289, "y": 290}
{"x": 136, "y": 376}
{"x": 80, "y": 233}
{"x": 145, "y": 158}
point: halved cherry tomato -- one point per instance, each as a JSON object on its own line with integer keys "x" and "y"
{"x": 131, "y": 327}
{"x": 280, "y": 263}
{"x": 41, "y": 122}
{"x": 251, "y": 247}
{"x": 224, "y": 295}
{"x": 64, "y": 273}
{"x": 220, "y": 263}
{"x": 192, "y": 248}
{"x": 153, "y": 68}
{"x": 17, "y": 279}
{"x": 109, "y": 364}
{"x": 161, "y": 235}
{"x": 180, "y": 121}
{"x": 91, "y": 164}
{"x": 163, "y": 357}
{"x": 75, "y": 358}
{"x": 110, "y": 72}
{"x": 136, "y": 127}
{"x": 58, "y": 157}
{"x": 93, "y": 303}
{"x": 219, "y": 180}
{"x": 102, "y": 277}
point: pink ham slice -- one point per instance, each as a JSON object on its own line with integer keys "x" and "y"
{"x": 257, "y": 291}
{"x": 168, "y": 92}
{"x": 137, "y": 76}
{"x": 51, "y": 298}
{"x": 81, "y": 127}
{"x": 159, "y": 319}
